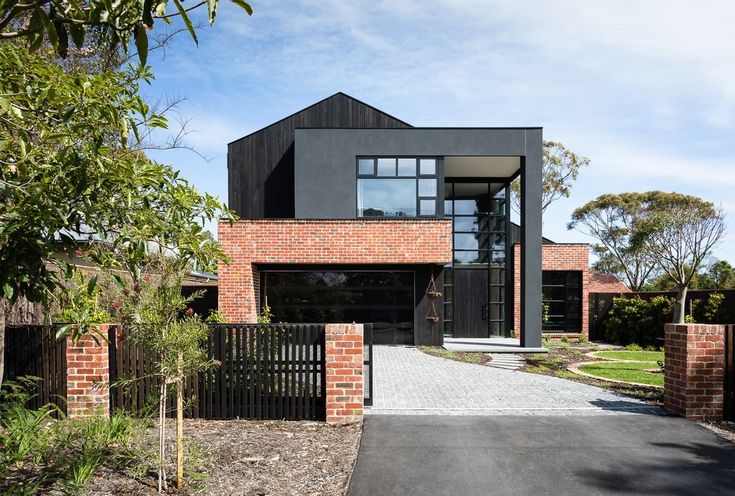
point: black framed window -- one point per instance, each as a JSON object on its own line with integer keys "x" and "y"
{"x": 562, "y": 300}
{"x": 397, "y": 187}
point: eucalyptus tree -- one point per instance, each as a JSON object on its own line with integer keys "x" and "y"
{"x": 679, "y": 231}
{"x": 560, "y": 168}
{"x": 614, "y": 220}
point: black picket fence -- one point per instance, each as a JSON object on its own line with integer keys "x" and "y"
{"x": 34, "y": 351}
{"x": 730, "y": 372}
{"x": 266, "y": 371}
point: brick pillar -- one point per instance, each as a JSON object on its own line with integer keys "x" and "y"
{"x": 87, "y": 376}
{"x": 694, "y": 370}
{"x": 344, "y": 359}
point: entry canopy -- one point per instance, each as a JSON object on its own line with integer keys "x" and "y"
{"x": 481, "y": 166}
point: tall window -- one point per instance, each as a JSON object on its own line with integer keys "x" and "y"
{"x": 562, "y": 300}
{"x": 396, "y": 187}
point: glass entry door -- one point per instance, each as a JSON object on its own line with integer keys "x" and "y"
{"x": 479, "y": 213}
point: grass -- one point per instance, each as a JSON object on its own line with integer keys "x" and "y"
{"x": 626, "y": 372}
{"x": 476, "y": 358}
{"x": 555, "y": 364}
{"x": 637, "y": 356}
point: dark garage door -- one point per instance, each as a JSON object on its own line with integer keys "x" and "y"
{"x": 383, "y": 298}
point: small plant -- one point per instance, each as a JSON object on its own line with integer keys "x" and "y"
{"x": 582, "y": 340}
{"x": 689, "y": 319}
{"x": 660, "y": 364}
{"x": 544, "y": 313}
{"x": 266, "y": 316}
{"x": 712, "y": 308}
{"x": 633, "y": 347}
{"x": 216, "y": 317}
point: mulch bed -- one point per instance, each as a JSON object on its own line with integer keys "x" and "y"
{"x": 247, "y": 457}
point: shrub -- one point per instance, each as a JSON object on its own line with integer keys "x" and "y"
{"x": 711, "y": 309}
{"x": 639, "y": 321}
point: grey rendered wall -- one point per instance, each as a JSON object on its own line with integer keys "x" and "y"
{"x": 325, "y": 171}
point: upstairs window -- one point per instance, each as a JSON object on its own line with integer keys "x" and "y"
{"x": 397, "y": 187}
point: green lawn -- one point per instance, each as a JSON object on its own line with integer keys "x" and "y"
{"x": 638, "y": 356}
{"x": 625, "y": 371}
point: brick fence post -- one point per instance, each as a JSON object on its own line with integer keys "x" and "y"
{"x": 695, "y": 370}
{"x": 88, "y": 376}
{"x": 344, "y": 361}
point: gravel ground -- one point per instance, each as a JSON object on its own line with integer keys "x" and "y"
{"x": 245, "y": 457}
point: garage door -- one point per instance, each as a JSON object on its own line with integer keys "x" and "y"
{"x": 384, "y": 299}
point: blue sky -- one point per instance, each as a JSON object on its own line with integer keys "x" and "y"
{"x": 646, "y": 90}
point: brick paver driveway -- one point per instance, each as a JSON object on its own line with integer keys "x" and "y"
{"x": 407, "y": 381}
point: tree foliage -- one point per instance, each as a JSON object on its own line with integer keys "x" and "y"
{"x": 62, "y": 22}
{"x": 717, "y": 275}
{"x": 614, "y": 220}
{"x": 679, "y": 231}
{"x": 560, "y": 168}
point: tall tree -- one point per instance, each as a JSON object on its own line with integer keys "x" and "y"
{"x": 561, "y": 167}
{"x": 680, "y": 232}
{"x": 56, "y": 21}
{"x": 614, "y": 220}
{"x": 67, "y": 172}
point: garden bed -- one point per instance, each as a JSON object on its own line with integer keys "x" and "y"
{"x": 560, "y": 357}
{"x": 253, "y": 458}
{"x": 458, "y": 356}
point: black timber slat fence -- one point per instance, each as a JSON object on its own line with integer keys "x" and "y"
{"x": 33, "y": 350}
{"x": 266, "y": 371}
{"x": 729, "y": 372}
{"x": 367, "y": 364}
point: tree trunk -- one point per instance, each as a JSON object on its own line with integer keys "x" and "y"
{"x": 680, "y": 307}
{"x": 180, "y": 424}
{"x": 2, "y": 340}
{"x": 162, "y": 485}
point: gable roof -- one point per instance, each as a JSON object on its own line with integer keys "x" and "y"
{"x": 337, "y": 98}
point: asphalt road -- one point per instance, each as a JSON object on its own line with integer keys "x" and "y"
{"x": 538, "y": 455}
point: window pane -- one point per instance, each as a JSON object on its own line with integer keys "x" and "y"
{"x": 427, "y": 166}
{"x": 463, "y": 241}
{"x": 427, "y": 187}
{"x": 366, "y": 166}
{"x": 470, "y": 257}
{"x": 386, "y": 197}
{"x": 386, "y": 167}
{"x": 427, "y": 207}
{"x": 406, "y": 166}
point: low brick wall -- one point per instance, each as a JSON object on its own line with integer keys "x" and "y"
{"x": 88, "y": 376}
{"x": 344, "y": 365}
{"x": 694, "y": 370}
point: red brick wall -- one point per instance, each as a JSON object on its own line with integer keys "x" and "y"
{"x": 344, "y": 362}
{"x": 695, "y": 370}
{"x": 298, "y": 241}
{"x": 555, "y": 257}
{"x": 87, "y": 376}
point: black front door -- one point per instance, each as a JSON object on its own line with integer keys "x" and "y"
{"x": 470, "y": 303}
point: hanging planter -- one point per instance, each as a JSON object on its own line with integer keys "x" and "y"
{"x": 432, "y": 291}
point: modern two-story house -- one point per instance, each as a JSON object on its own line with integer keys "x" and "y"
{"x": 349, "y": 214}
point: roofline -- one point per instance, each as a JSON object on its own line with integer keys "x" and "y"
{"x": 317, "y": 103}
{"x": 413, "y": 128}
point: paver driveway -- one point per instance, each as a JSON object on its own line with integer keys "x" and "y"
{"x": 407, "y": 381}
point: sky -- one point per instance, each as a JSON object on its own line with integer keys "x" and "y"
{"x": 645, "y": 90}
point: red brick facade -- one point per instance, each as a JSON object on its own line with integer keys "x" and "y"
{"x": 344, "y": 363}
{"x": 298, "y": 241}
{"x": 695, "y": 370}
{"x": 87, "y": 376}
{"x": 558, "y": 256}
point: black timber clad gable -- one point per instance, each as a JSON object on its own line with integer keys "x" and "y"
{"x": 261, "y": 165}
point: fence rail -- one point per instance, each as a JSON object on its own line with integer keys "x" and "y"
{"x": 729, "y": 409}
{"x": 33, "y": 350}
{"x": 269, "y": 371}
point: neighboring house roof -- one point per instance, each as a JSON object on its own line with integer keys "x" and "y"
{"x": 606, "y": 283}
{"x": 515, "y": 236}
